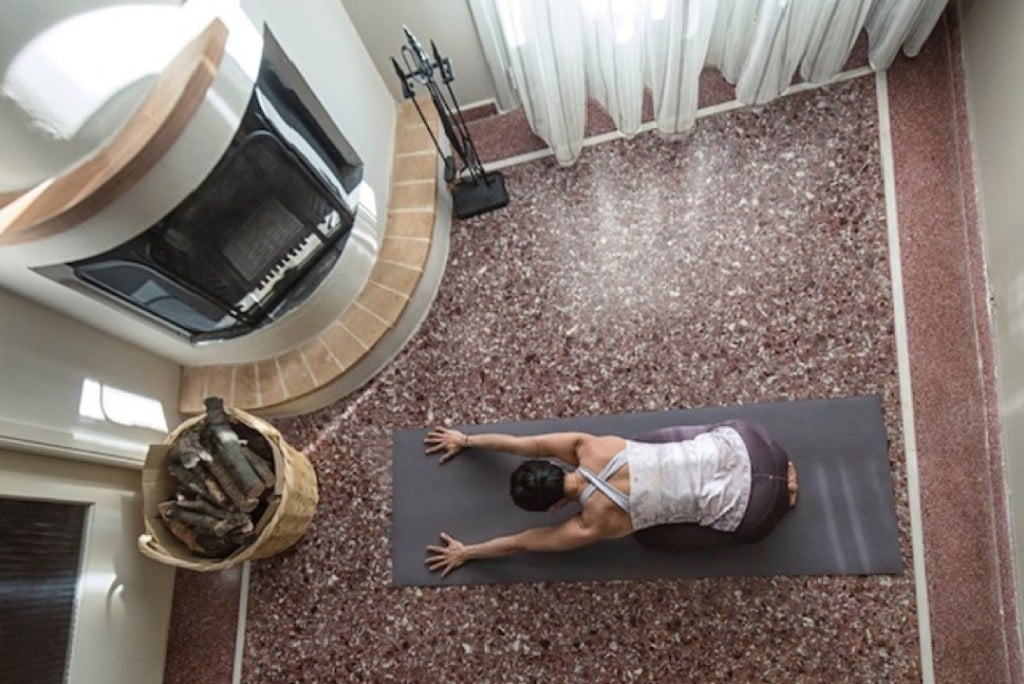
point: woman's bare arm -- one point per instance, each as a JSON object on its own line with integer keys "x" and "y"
{"x": 571, "y": 534}
{"x": 561, "y": 445}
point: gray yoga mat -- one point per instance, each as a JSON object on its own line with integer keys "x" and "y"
{"x": 843, "y": 524}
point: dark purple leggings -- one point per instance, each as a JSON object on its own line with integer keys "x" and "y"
{"x": 769, "y": 493}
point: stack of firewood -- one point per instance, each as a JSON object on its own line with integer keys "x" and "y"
{"x": 225, "y": 475}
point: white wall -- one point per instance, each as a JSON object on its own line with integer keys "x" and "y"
{"x": 46, "y": 357}
{"x": 994, "y": 56}
{"x": 448, "y": 22}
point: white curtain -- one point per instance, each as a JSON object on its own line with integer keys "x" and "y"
{"x": 545, "y": 47}
{"x": 557, "y": 54}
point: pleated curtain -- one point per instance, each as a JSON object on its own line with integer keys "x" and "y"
{"x": 558, "y": 54}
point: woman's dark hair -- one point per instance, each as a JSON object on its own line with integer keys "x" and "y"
{"x": 537, "y": 485}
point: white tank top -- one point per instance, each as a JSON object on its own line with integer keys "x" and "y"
{"x": 704, "y": 480}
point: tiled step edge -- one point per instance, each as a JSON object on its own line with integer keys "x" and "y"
{"x": 398, "y": 270}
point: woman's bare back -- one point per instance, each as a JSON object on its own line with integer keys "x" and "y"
{"x": 594, "y": 453}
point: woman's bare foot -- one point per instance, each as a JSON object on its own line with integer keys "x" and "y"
{"x": 791, "y": 476}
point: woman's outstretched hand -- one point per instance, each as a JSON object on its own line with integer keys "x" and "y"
{"x": 447, "y": 442}
{"x": 446, "y": 558}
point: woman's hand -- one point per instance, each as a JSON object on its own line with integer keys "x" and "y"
{"x": 446, "y": 558}
{"x": 450, "y": 442}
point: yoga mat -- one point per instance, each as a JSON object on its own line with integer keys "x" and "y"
{"x": 844, "y": 522}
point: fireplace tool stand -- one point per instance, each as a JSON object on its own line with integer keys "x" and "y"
{"x": 474, "y": 191}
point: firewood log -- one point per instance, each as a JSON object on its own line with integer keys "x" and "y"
{"x": 241, "y": 522}
{"x": 235, "y": 522}
{"x": 192, "y": 481}
{"x": 261, "y": 467}
{"x": 217, "y": 495}
{"x": 240, "y": 538}
{"x": 200, "y": 522}
{"x": 185, "y": 534}
{"x": 189, "y": 450}
{"x": 185, "y": 477}
{"x": 255, "y": 440}
{"x": 227, "y": 449}
{"x": 202, "y": 506}
{"x": 230, "y": 488}
{"x": 214, "y": 547}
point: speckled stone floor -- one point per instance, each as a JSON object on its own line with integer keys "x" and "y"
{"x": 748, "y": 263}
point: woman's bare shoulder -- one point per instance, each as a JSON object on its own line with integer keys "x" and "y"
{"x": 613, "y": 442}
{"x": 601, "y": 448}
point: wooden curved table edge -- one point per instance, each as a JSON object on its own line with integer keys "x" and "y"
{"x": 8, "y": 196}
{"x": 64, "y": 201}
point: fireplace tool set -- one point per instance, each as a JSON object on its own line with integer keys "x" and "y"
{"x": 474, "y": 190}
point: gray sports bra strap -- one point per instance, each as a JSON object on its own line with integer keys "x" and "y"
{"x": 620, "y": 499}
{"x": 620, "y": 459}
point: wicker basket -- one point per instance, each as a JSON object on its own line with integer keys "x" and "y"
{"x": 285, "y": 520}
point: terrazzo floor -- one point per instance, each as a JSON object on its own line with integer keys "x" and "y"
{"x": 746, "y": 264}
{"x": 750, "y": 262}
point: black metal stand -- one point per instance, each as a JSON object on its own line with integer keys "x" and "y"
{"x": 474, "y": 190}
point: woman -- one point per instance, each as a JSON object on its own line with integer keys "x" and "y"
{"x": 680, "y": 487}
